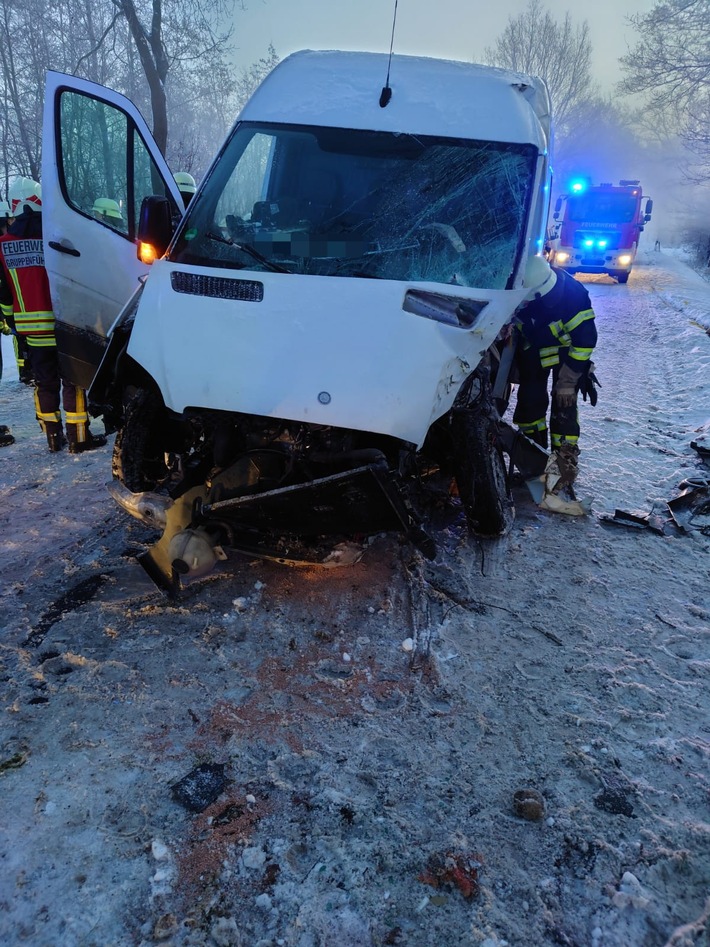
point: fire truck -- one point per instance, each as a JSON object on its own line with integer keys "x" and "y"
{"x": 598, "y": 227}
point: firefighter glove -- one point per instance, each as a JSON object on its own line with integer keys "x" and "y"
{"x": 565, "y": 388}
{"x": 5, "y": 328}
{"x": 589, "y": 385}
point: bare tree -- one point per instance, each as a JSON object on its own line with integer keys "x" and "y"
{"x": 250, "y": 78}
{"x": 602, "y": 144}
{"x": 204, "y": 105}
{"x": 536, "y": 43}
{"x": 171, "y": 57}
{"x": 671, "y": 65}
{"x": 22, "y": 121}
{"x": 179, "y": 31}
{"x": 671, "y": 61}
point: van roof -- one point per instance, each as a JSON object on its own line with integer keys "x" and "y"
{"x": 429, "y": 97}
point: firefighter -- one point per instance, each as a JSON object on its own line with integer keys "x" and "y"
{"x": 5, "y": 328}
{"x": 186, "y": 185}
{"x": 19, "y": 344}
{"x": 5, "y": 437}
{"x": 25, "y": 297}
{"x": 557, "y": 336}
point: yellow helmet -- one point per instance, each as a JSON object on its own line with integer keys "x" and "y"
{"x": 105, "y": 207}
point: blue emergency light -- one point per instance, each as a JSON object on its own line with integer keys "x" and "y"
{"x": 578, "y": 186}
{"x": 599, "y": 242}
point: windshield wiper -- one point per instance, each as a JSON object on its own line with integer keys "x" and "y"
{"x": 250, "y": 251}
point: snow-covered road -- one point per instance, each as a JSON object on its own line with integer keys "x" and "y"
{"x": 370, "y": 723}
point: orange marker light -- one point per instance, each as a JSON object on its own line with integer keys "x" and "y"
{"x": 146, "y": 253}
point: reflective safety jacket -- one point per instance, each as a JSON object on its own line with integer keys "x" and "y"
{"x": 24, "y": 287}
{"x": 560, "y": 324}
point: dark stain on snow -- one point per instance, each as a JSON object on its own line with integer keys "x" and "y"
{"x": 74, "y": 598}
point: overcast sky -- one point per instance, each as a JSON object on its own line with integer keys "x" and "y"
{"x": 453, "y": 29}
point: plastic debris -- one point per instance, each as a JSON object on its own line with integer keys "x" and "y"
{"x": 702, "y": 447}
{"x": 691, "y": 508}
{"x": 637, "y": 519}
{"x": 688, "y": 511}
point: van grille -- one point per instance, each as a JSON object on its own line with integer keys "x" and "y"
{"x": 218, "y": 287}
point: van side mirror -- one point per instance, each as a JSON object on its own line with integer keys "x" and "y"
{"x": 558, "y": 207}
{"x": 648, "y": 211}
{"x": 155, "y": 228}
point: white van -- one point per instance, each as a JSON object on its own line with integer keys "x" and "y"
{"x": 323, "y": 326}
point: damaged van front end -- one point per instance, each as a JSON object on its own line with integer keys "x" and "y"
{"x": 329, "y": 324}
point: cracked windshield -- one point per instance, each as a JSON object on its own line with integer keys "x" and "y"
{"x": 341, "y": 202}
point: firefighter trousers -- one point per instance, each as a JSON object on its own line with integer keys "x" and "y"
{"x": 51, "y": 392}
{"x": 533, "y": 401}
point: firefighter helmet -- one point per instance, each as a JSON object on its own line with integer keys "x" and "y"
{"x": 185, "y": 182}
{"x": 105, "y": 207}
{"x": 25, "y": 194}
{"x": 540, "y": 278}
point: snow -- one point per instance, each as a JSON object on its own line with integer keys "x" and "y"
{"x": 429, "y": 97}
{"x": 374, "y": 722}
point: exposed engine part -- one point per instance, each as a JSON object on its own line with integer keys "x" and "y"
{"x": 193, "y": 552}
{"x": 149, "y": 508}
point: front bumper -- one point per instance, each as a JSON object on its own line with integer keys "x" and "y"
{"x": 300, "y": 524}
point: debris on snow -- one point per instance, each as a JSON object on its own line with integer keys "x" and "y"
{"x": 458, "y": 869}
{"x": 201, "y": 786}
{"x": 631, "y": 893}
{"x": 159, "y": 850}
{"x": 528, "y": 804}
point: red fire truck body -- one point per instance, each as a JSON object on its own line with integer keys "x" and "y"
{"x": 600, "y": 228}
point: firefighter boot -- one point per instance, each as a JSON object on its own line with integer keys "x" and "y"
{"x": 55, "y": 436}
{"x": 560, "y": 474}
{"x": 91, "y": 443}
{"x": 568, "y": 465}
{"x": 5, "y": 437}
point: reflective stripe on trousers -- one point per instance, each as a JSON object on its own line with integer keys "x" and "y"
{"x": 51, "y": 390}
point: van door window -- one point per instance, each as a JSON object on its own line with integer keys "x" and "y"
{"x": 106, "y": 169}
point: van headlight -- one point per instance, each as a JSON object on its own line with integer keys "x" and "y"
{"x": 624, "y": 259}
{"x": 451, "y": 310}
{"x": 561, "y": 256}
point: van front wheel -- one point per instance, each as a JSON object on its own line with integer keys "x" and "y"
{"x": 480, "y": 473}
{"x": 138, "y": 459}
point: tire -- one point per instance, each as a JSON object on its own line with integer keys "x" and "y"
{"x": 138, "y": 460}
{"x": 481, "y": 478}
{"x": 622, "y": 277}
